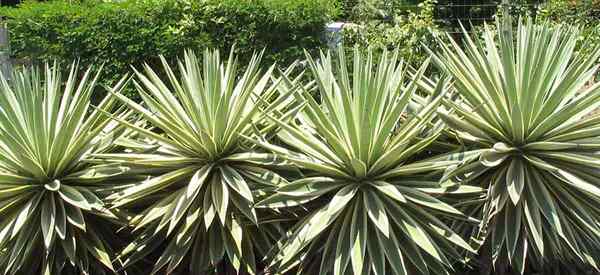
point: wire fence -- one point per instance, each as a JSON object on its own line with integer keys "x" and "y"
{"x": 450, "y": 14}
{"x": 453, "y": 13}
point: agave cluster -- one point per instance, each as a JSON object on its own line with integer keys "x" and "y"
{"x": 375, "y": 206}
{"x": 53, "y": 218}
{"x": 203, "y": 178}
{"x": 361, "y": 167}
{"x": 527, "y": 113}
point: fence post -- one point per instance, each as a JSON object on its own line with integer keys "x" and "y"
{"x": 5, "y": 63}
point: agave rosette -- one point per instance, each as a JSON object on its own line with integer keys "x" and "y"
{"x": 372, "y": 205}
{"x": 53, "y": 219}
{"x": 527, "y": 114}
{"x": 203, "y": 177}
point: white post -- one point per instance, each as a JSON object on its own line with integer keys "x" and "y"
{"x": 5, "y": 63}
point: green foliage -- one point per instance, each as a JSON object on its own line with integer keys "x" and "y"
{"x": 575, "y": 12}
{"x": 283, "y": 27}
{"x": 526, "y": 114}
{"x": 372, "y": 208}
{"x": 405, "y": 30}
{"x": 127, "y": 33}
{"x": 53, "y": 218}
{"x": 203, "y": 178}
{"x": 366, "y": 165}
{"x": 362, "y": 10}
{"x": 585, "y": 13}
{"x": 448, "y": 11}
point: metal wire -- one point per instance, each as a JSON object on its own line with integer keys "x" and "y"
{"x": 450, "y": 14}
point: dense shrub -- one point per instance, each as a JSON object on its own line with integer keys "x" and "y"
{"x": 409, "y": 31}
{"x": 359, "y": 10}
{"x": 579, "y": 12}
{"x": 584, "y": 13}
{"x": 282, "y": 27}
{"x": 132, "y": 32}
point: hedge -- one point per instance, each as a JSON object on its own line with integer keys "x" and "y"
{"x": 132, "y": 32}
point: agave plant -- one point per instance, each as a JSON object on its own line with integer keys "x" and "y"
{"x": 53, "y": 220}
{"x": 527, "y": 112}
{"x": 204, "y": 178}
{"x": 373, "y": 205}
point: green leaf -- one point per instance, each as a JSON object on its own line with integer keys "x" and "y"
{"x": 48, "y": 219}
{"x": 220, "y": 198}
{"x": 358, "y": 233}
{"x": 185, "y": 199}
{"x": 515, "y": 179}
{"x": 236, "y": 182}
{"x": 428, "y": 201}
{"x": 74, "y": 197}
{"x": 389, "y": 190}
{"x": 313, "y": 186}
{"x": 150, "y": 186}
{"x": 341, "y": 199}
{"x": 75, "y": 216}
{"x": 376, "y": 212}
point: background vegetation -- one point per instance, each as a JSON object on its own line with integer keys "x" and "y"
{"x": 132, "y": 32}
{"x": 126, "y": 34}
